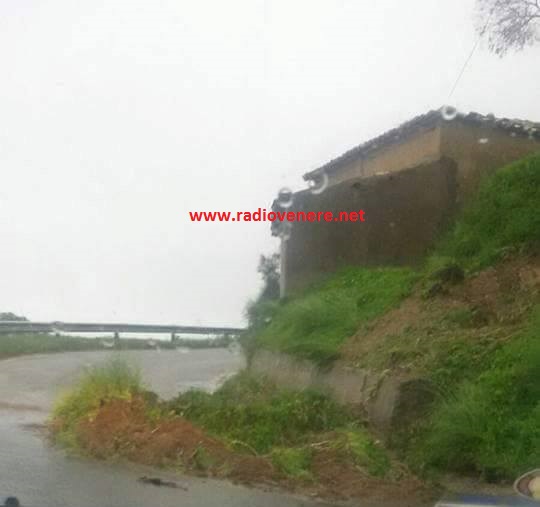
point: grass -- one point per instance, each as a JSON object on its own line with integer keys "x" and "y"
{"x": 253, "y": 414}
{"x": 250, "y": 415}
{"x": 19, "y": 344}
{"x": 313, "y": 325}
{"x": 365, "y": 452}
{"x": 486, "y": 415}
{"x": 489, "y": 423}
{"x": 504, "y": 216}
{"x": 115, "y": 379}
{"x": 294, "y": 462}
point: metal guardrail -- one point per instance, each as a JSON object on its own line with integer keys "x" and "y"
{"x": 83, "y": 327}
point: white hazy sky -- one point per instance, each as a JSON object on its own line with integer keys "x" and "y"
{"x": 117, "y": 118}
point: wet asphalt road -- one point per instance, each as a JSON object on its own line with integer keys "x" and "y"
{"x": 42, "y": 476}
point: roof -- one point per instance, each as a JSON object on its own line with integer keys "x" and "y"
{"x": 422, "y": 122}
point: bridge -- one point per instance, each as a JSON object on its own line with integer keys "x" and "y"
{"x": 84, "y": 327}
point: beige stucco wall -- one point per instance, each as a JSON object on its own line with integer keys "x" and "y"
{"x": 460, "y": 142}
{"x": 422, "y": 147}
{"x": 454, "y": 139}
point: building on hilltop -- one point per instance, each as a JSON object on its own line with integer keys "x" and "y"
{"x": 409, "y": 181}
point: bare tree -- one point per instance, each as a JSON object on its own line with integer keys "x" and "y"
{"x": 508, "y": 24}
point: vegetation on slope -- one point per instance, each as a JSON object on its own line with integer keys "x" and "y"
{"x": 502, "y": 219}
{"x": 490, "y": 424}
{"x": 471, "y": 327}
{"x": 314, "y": 324}
{"x": 248, "y": 430}
{"x": 255, "y": 412}
{"x": 504, "y": 216}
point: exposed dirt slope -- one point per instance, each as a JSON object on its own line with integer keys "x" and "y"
{"x": 483, "y": 310}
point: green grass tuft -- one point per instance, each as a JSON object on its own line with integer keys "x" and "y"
{"x": 293, "y": 461}
{"x": 115, "y": 379}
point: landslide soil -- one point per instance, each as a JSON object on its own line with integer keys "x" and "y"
{"x": 485, "y": 309}
{"x": 121, "y": 429}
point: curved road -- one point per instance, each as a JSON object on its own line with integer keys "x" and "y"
{"x": 42, "y": 476}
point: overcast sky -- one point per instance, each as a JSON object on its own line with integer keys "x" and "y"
{"x": 117, "y": 118}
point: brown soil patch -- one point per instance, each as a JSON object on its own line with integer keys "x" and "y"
{"x": 345, "y": 480}
{"x": 121, "y": 429}
{"x": 499, "y": 297}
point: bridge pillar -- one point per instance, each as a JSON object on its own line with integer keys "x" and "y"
{"x": 117, "y": 339}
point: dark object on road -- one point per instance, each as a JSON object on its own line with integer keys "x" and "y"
{"x": 156, "y": 481}
{"x": 11, "y": 501}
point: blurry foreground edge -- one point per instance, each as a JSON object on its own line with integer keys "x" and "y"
{"x": 527, "y": 486}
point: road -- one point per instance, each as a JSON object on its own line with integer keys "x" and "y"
{"x": 42, "y": 476}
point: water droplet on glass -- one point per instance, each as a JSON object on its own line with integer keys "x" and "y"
{"x": 449, "y": 113}
{"x": 513, "y": 134}
{"x": 532, "y": 133}
{"x": 483, "y": 140}
{"x": 285, "y": 197}
{"x": 285, "y": 231}
{"x": 268, "y": 319}
{"x": 392, "y": 225}
{"x": 318, "y": 184}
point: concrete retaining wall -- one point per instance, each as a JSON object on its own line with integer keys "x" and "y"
{"x": 385, "y": 400}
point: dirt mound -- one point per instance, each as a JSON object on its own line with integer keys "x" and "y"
{"x": 345, "y": 480}
{"x": 123, "y": 429}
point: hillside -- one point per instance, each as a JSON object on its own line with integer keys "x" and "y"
{"x": 468, "y": 321}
